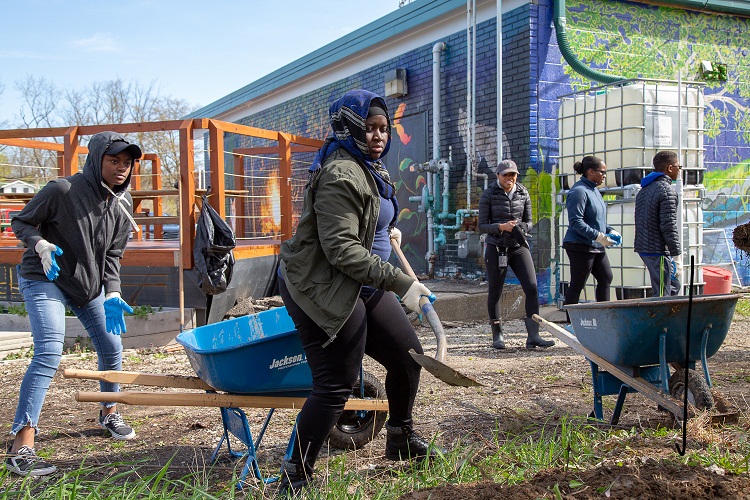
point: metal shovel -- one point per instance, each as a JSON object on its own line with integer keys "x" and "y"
{"x": 436, "y": 366}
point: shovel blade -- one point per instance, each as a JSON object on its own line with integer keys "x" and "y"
{"x": 443, "y": 372}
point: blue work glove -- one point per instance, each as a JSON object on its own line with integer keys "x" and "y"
{"x": 616, "y": 237}
{"x": 47, "y": 252}
{"x": 114, "y": 310}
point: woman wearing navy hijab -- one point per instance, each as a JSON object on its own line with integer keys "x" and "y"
{"x": 340, "y": 290}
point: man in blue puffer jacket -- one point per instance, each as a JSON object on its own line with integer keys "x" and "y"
{"x": 656, "y": 233}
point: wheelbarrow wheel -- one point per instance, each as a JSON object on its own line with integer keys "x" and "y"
{"x": 357, "y": 428}
{"x": 699, "y": 394}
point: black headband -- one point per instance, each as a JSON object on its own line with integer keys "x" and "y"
{"x": 376, "y": 110}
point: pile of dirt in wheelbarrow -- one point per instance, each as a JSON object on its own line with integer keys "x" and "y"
{"x": 523, "y": 389}
{"x": 741, "y": 237}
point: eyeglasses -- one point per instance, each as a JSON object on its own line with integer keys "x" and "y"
{"x": 679, "y": 167}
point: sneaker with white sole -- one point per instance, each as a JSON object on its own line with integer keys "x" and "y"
{"x": 25, "y": 462}
{"x": 116, "y": 426}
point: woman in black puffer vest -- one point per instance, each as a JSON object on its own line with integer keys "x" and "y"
{"x": 505, "y": 216}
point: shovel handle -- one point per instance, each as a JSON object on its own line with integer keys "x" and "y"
{"x": 425, "y": 305}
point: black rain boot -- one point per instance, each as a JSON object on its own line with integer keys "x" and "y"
{"x": 402, "y": 443}
{"x": 293, "y": 479}
{"x": 533, "y": 339}
{"x": 498, "y": 340}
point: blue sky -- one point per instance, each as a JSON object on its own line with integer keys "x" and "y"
{"x": 197, "y": 51}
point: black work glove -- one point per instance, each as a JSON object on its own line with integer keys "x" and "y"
{"x": 519, "y": 236}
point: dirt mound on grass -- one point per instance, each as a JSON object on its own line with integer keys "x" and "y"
{"x": 652, "y": 479}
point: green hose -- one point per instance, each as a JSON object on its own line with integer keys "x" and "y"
{"x": 570, "y": 57}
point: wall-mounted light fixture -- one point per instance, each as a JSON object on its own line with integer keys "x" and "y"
{"x": 395, "y": 83}
{"x": 713, "y": 71}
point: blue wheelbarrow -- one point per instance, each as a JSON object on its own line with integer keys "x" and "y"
{"x": 639, "y": 345}
{"x": 253, "y": 361}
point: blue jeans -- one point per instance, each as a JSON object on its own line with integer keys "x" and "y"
{"x": 46, "y": 303}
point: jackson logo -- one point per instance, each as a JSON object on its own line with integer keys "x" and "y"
{"x": 589, "y": 323}
{"x": 287, "y": 361}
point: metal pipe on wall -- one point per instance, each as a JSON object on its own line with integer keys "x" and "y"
{"x": 471, "y": 89}
{"x": 431, "y": 178}
{"x": 499, "y": 22}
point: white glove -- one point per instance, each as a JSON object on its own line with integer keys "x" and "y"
{"x": 413, "y": 294}
{"x": 604, "y": 240}
{"x": 47, "y": 252}
{"x": 396, "y": 235}
{"x": 677, "y": 270}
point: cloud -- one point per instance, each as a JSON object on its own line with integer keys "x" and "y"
{"x": 100, "y": 42}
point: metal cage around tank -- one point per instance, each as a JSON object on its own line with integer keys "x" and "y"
{"x": 626, "y": 124}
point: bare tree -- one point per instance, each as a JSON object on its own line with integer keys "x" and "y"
{"x": 107, "y": 102}
{"x": 40, "y": 97}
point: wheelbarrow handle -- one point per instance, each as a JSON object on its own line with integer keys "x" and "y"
{"x": 150, "y": 379}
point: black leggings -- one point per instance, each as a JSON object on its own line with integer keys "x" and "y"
{"x": 583, "y": 264}
{"x": 519, "y": 260}
{"x": 377, "y": 327}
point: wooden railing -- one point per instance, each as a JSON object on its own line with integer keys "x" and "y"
{"x": 69, "y": 149}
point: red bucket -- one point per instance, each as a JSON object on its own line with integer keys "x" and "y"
{"x": 717, "y": 280}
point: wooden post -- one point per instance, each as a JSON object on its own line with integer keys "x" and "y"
{"x": 285, "y": 185}
{"x": 186, "y": 192}
{"x": 186, "y": 189}
{"x": 70, "y": 153}
{"x": 216, "y": 138}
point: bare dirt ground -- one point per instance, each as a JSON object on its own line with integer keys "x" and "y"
{"x": 537, "y": 388}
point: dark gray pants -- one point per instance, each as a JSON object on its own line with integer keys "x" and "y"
{"x": 660, "y": 271}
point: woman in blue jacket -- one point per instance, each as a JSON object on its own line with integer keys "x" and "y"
{"x": 588, "y": 234}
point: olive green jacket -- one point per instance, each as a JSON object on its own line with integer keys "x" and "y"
{"x": 326, "y": 262}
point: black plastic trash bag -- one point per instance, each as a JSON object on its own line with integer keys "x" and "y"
{"x": 212, "y": 251}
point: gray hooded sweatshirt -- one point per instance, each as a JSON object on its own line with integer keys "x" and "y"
{"x": 80, "y": 216}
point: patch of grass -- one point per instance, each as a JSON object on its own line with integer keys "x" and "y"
{"x": 19, "y": 309}
{"x": 156, "y": 352}
{"x": 135, "y": 359}
{"x": 743, "y": 307}
{"x": 46, "y": 452}
{"x": 569, "y": 444}
{"x": 27, "y": 353}
{"x": 81, "y": 346}
{"x": 143, "y": 311}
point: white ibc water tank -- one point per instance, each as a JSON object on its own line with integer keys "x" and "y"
{"x": 626, "y": 125}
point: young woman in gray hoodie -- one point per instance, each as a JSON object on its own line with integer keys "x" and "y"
{"x": 75, "y": 230}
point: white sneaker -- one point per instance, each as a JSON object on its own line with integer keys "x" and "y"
{"x": 116, "y": 426}
{"x": 25, "y": 462}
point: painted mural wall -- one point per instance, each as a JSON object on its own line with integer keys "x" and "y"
{"x": 640, "y": 41}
